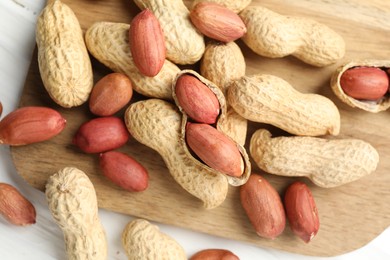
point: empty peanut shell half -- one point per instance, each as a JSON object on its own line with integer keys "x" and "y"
{"x": 220, "y": 117}
{"x": 363, "y": 84}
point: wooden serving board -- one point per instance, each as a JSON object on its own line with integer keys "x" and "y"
{"x": 351, "y": 215}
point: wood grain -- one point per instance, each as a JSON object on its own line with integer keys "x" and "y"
{"x": 351, "y": 215}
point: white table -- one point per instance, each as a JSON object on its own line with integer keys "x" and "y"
{"x": 44, "y": 239}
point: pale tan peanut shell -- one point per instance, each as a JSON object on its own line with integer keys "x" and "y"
{"x": 63, "y": 60}
{"x": 143, "y": 240}
{"x": 273, "y": 35}
{"x": 234, "y": 5}
{"x": 222, "y": 63}
{"x": 108, "y": 42}
{"x": 184, "y": 44}
{"x": 73, "y": 204}
{"x": 157, "y": 124}
{"x": 270, "y": 99}
{"x": 235, "y": 181}
{"x": 370, "y": 106}
{"x": 326, "y": 162}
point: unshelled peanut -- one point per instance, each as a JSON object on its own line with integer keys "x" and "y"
{"x": 14, "y": 207}
{"x": 269, "y": 99}
{"x": 234, "y": 5}
{"x": 143, "y": 240}
{"x": 184, "y": 44}
{"x": 326, "y": 162}
{"x": 64, "y": 63}
{"x": 273, "y": 35}
{"x": 30, "y": 124}
{"x": 109, "y": 43}
{"x": 73, "y": 204}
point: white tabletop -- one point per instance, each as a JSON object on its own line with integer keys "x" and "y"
{"x": 44, "y": 240}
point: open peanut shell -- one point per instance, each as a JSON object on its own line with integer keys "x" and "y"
{"x": 234, "y": 181}
{"x": 372, "y": 106}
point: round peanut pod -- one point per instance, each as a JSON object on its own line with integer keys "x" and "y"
{"x": 73, "y": 204}
{"x": 157, "y": 124}
{"x": 326, "y": 162}
{"x": 234, "y": 181}
{"x": 63, "y": 60}
{"x": 109, "y": 43}
{"x": 234, "y": 5}
{"x": 184, "y": 44}
{"x": 222, "y": 63}
{"x": 272, "y": 100}
{"x": 372, "y": 106}
{"x": 143, "y": 240}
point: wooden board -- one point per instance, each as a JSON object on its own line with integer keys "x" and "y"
{"x": 351, "y": 215}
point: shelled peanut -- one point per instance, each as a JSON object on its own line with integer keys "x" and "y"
{"x": 15, "y": 207}
{"x": 143, "y": 240}
{"x": 273, "y": 35}
{"x": 63, "y": 59}
{"x": 326, "y": 162}
{"x": 1, "y": 108}
{"x": 214, "y": 254}
{"x": 72, "y": 201}
{"x": 30, "y": 124}
{"x": 272, "y": 100}
{"x": 363, "y": 84}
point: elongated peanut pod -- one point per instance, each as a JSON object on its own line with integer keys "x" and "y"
{"x": 234, "y": 5}
{"x": 273, "y": 35}
{"x": 63, "y": 60}
{"x": 73, "y": 204}
{"x": 222, "y": 63}
{"x": 184, "y": 44}
{"x": 109, "y": 43}
{"x": 143, "y": 240}
{"x": 272, "y": 100}
{"x": 328, "y": 163}
{"x": 157, "y": 124}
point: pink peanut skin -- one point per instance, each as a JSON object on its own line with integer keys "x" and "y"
{"x": 366, "y": 83}
{"x": 124, "y": 171}
{"x": 301, "y": 210}
{"x": 214, "y": 148}
{"x": 101, "y": 134}
{"x": 147, "y": 43}
{"x": 196, "y": 99}
{"x": 263, "y": 206}
{"x": 30, "y": 124}
{"x": 217, "y": 22}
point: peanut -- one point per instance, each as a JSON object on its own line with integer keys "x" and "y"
{"x": 214, "y": 254}
{"x": 273, "y": 35}
{"x": 196, "y": 99}
{"x": 233, "y": 180}
{"x": 110, "y": 94}
{"x": 301, "y": 211}
{"x": 272, "y": 100}
{"x": 1, "y": 108}
{"x": 234, "y": 5}
{"x": 143, "y": 240}
{"x": 30, "y": 124}
{"x": 157, "y": 124}
{"x": 147, "y": 43}
{"x": 184, "y": 44}
{"x": 124, "y": 171}
{"x": 217, "y": 22}
{"x": 109, "y": 43}
{"x": 63, "y": 60}
{"x": 15, "y": 207}
{"x": 73, "y": 204}
{"x": 365, "y": 83}
{"x": 214, "y": 148}
{"x": 101, "y": 134}
{"x": 364, "y": 71}
{"x": 263, "y": 206}
{"x": 326, "y": 162}
{"x": 222, "y": 63}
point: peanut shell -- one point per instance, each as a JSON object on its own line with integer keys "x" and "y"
{"x": 234, "y": 5}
